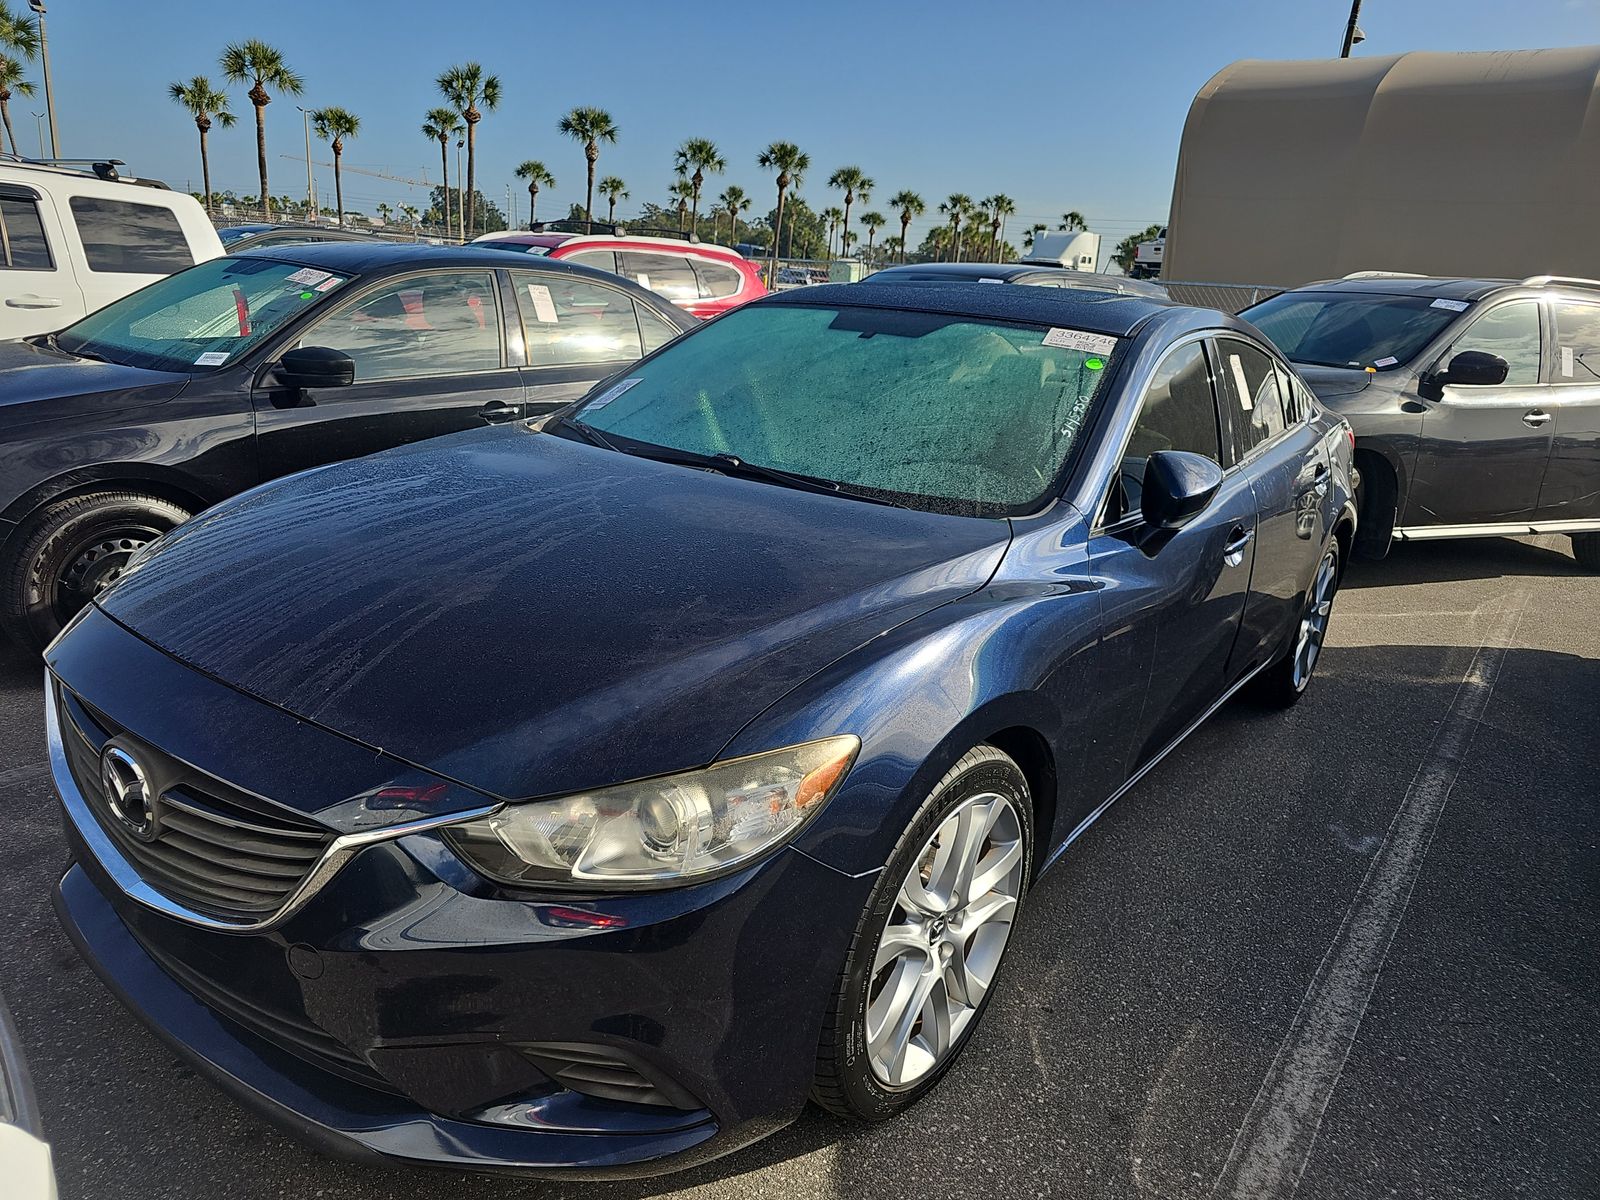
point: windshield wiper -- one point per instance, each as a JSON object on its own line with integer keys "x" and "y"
{"x": 732, "y": 464}
{"x": 588, "y": 433}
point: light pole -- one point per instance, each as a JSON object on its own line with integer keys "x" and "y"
{"x": 311, "y": 187}
{"x": 1352, "y": 31}
{"x": 461, "y": 192}
{"x": 49, "y": 96}
{"x": 38, "y": 123}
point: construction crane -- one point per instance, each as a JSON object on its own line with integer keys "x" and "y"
{"x": 346, "y": 167}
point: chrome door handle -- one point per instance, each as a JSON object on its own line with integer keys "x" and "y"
{"x": 1320, "y": 487}
{"x": 1239, "y": 539}
{"x": 33, "y": 301}
{"x": 498, "y": 410}
{"x": 1535, "y": 418}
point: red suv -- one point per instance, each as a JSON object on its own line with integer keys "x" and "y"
{"x": 703, "y": 279}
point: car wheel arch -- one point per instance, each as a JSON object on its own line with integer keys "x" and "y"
{"x": 164, "y": 485}
{"x": 1381, "y": 497}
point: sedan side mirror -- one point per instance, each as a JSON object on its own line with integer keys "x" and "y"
{"x": 1475, "y": 368}
{"x": 1177, "y": 487}
{"x": 316, "y": 367}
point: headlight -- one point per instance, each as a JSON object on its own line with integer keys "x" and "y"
{"x": 659, "y": 831}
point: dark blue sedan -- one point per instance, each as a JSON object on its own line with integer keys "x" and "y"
{"x": 584, "y": 796}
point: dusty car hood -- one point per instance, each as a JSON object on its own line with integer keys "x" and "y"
{"x": 38, "y": 383}
{"x": 530, "y": 615}
{"x": 1331, "y": 383}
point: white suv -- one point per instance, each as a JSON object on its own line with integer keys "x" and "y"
{"x": 72, "y": 241}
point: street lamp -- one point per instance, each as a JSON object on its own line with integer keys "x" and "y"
{"x": 38, "y": 122}
{"x": 461, "y": 192}
{"x": 1352, "y": 31}
{"x": 49, "y": 96}
{"x": 311, "y": 187}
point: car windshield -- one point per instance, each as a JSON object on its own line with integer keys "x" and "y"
{"x": 203, "y": 318}
{"x": 949, "y": 414}
{"x": 1352, "y": 329}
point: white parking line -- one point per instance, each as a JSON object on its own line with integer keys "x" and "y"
{"x": 1275, "y": 1140}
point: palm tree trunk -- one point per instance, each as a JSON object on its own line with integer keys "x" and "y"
{"x": 338, "y": 187}
{"x": 592, "y": 153}
{"x": 205, "y": 170}
{"x": 533, "y": 203}
{"x": 844, "y": 233}
{"x": 905, "y": 224}
{"x": 777, "y": 232}
{"x": 261, "y": 159}
{"x": 11, "y": 134}
{"x": 444, "y": 169}
{"x": 611, "y": 211}
{"x": 470, "y": 202}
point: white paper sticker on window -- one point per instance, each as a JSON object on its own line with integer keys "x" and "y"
{"x": 1386, "y": 362}
{"x": 1452, "y": 305}
{"x": 215, "y": 358}
{"x": 642, "y": 280}
{"x": 1568, "y": 362}
{"x": 328, "y": 284}
{"x": 1076, "y": 339}
{"x": 308, "y": 276}
{"x": 610, "y": 394}
{"x": 986, "y": 279}
{"x": 544, "y": 308}
{"x": 1237, "y": 367}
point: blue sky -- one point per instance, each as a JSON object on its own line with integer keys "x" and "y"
{"x": 1062, "y": 105}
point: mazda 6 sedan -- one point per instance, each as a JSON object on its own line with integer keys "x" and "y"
{"x": 581, "y": 796}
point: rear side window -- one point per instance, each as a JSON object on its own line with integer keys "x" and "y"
{"x": 1578, "y": 339}
{"x": 130, "y": 239}
{"x": 1179, "y": 413}
{"x": 656, "y": 332}
{"x": 569, "y": 322}
{"x": 22, "y": 241}
{"x": 600, "y": 260}
{"x": 1510, "y": 331}
{"x": 1250, "y": 383}
{"x": 668, "y": 275}
{"x": 716, "y": 279}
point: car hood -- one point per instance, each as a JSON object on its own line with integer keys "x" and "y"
{"x": 1332, "y": 383}
{"x": 41, "y": 383}
{"x": 530, "y": 615}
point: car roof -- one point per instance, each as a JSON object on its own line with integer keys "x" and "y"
{"x": 1426, "y": 286}
{"x": 1094, "y": 311}
{"x": 1011, "y": 272}
{"x": 325, "y": 231}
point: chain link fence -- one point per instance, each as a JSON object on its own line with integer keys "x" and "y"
{"x": 1229, "y": 297}
{"x": 399, "y": 229}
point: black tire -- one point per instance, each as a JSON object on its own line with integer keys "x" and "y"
{"x": 1282, "y": 684}
{"x": 1586, "y": 549}
{"x": 70, "y": 552}
{"x": 845, "y": 1081}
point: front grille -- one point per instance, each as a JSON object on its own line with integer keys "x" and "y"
{"x": 215, "y": 849}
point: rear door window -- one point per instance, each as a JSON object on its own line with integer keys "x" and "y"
{"x": 130, "y": 239}
{"x": 23, "y": 246}
{"x": 568, "y": 322}
{"x": 600, "y": 260}
{"x": 668, "y": 275}
{"x": 1250, "y": 386}
{"x": 1509, "y": 331}
{"x": 716, "y": 279}
{"x": 1577, "y": 342}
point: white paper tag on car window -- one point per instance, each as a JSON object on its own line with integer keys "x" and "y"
{"x": 1386, "y": 362}
{"x": 215, "y": 358}
{"x": 1568, "y": 362}
{"x": 986, "y": 279}
{"x": 328, "y": 284}
{"x": 1077, "y": 339}
{"x": 610, "y": 394}
{"x": 1452, "y": 305}
{"x": 308, "y": 276}
{"x": 544, "y": 308}
{"x": 1237, "y": 367}
{"x": 642, "y": 280}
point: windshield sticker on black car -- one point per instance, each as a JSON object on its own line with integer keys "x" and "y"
{"x": 328, "y": 284}
{"x": 308, "y": 276}
{"x": 1452, "y": 305}
{"x": 610, "y": 394}
{"x": 544, "y": 308}
{"x": 1385, "y": 362}
{"x": 212, "y": 358}
{"x": 986, "y": 279}
{"x": 1094, "y": 364}
{"x": 1076, "y": 339}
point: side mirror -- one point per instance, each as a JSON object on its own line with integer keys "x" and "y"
{"x": 316, "y": 367}
{"x": 1177, "y": 487}
{"x": 1475, "y": 368}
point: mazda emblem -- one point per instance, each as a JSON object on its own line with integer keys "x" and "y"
{"x": 127, "y": 790}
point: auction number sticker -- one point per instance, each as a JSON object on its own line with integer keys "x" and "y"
{"x": 544, "y": 308}
{"x": 1452, "y": 305}
{"x": 610, "y": 394}
{"x": 212, "y": 358}
{"x": 1076, "y": 339}
{"x": 309, "y": 276}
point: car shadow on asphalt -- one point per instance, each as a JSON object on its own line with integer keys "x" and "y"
{"x": 1448, "y": 561}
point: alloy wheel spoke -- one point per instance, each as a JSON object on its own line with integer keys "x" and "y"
{"x": 900, "y": 941}
{"x": 992, "y": 871}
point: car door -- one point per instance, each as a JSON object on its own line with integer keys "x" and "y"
{"x": 578, "y": 331}
{"x": 430, "y": 358}
{"x": 1177, "y": 597}
{"x": 1288, "y": 467}
{"x": 1482, "y": 451}
{"x": 1571, "y": 488}
{"x": 40, "y": 291}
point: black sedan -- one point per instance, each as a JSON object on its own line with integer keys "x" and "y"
{"x": 249, "y": 367}
{"x": 1027, "y": 274}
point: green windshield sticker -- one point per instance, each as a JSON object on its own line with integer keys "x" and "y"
{"x": 308, "y": 295}
{"x": 1094, "y": 364}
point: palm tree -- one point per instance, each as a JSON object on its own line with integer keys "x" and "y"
{"x": 910, "y": 206}
{"x": 956, "y": 206}
{"x": 262, "y": 66}
{"x": 999, "y": 206}
{"x": 873, "y": 221}
{"x": 465, "y": 87}
{"x": 18, "y": 34}
{"x": 333, "y": 125}
{"x": 734, "y": 202}
{"x": 682, "y": 191}
{"x": 791, "y": 163}
{"x": 1032, "y": 235}
{"x": 538, "y": 176}
{"x": 204, "y": 103}
{"x": 854, "y": 183}
{"x": 1071, "y": 221}
{"x": 384, "y": 212}
{"x": 699, "y": 157}
{"x": 409, "y": 212}
{"x": 440, "y": 125}
{"x": 12, "y": 83}
{"x": 591, "y": 126}
{"x": 831, "y": 217}
{"x": 613, "y": 189}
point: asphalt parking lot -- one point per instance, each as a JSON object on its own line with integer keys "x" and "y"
{"x": 1345, "y": 951}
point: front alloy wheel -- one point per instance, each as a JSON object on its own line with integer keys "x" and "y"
{"x": 927, "y": 952}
